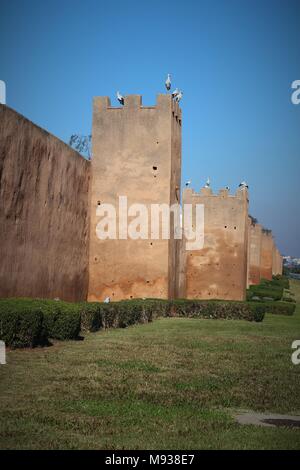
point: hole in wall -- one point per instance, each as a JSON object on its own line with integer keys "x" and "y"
{"x": 151, "y": 243}
{"x": 234, "y": 227}
{"x": 99, "y": 203}
{"x": 154, "y": 168}
{"x": 225, "y": 226}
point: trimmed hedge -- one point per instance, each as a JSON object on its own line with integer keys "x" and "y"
{"x": 233, "y": 310}
{"x": 282, "y": 281}
{"x": 287, "y": 298}
{"x": 91, "y": 316}
{"x": 30, "y": 322}
{"x": 265, "y": 290}
{"x": 63, "y": 320}
{"x": 129, "y": 312}
{"x": 60, "y": 320}
{"x": 269, "y": 290}
{"x": 279, "y": 308}
{"x": 22, "y": 325}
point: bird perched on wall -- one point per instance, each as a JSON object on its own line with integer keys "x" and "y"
{"x": 178, "y": 96}
{"x": 243, "y": 184}
{"x": 227, "y": 187}
{"x": 187, "y": 183}
{"x": 120, "y": 98}
{"x": 106, "y": 300}
{"x": 175, "y": 93}
{"x": 168, "y": 82}
{"x": 207, "y": 184}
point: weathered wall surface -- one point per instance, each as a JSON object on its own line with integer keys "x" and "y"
{"x": 266, "y": 259}
{"x": 181, "y": 270}
{"x": 280, "y": 264}
{"x": 219, "y": 270}
{"x": 43, "y": 213}
{"x": 255, "y": 241}
{"x": 136, "y": 153}
{"x": 277, "y": 261}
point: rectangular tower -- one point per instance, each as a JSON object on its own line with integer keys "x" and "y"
{"x": 266, "y": 259}
{"x": 219, "y": 269}
{"x": 137, "y": 154}
{"x": 277, "y": 261}
{"x": 254, "y": 254}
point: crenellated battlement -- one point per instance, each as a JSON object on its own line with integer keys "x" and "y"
{"x": 134, "y": 102}
{"x": 241, "y": 193}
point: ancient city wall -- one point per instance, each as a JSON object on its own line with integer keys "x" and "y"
{"x": 219, "y": 269}
{"x": 266, "y": 259}
{"x": 277, "y": 262}
{"x": 280, "y": 264}
{"x": 254, "y": 254}
{"x": 43, "y": 212}
{"x": 137, "y": 154}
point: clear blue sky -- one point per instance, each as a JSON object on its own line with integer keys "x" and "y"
{"x": 235, "y": 61}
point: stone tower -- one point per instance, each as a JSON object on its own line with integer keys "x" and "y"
{"x": 266, "y": 259}
{"x": 277, "y": 262}
{"x": 219, "y": 269}
{"x": 137, "y": 154}
{"x": 254, "y": 255}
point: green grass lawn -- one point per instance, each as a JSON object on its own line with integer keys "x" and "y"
{"x": 171, "y": 384}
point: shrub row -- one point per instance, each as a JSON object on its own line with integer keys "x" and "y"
{"x": 96, "y": 315}
{"x": 282, "y": 281}
{"x": 269, "y": 290}
{"x": 265, "y": 290}
{"x": 22, "y": 325}
{"x": 129, "y": 312}
{"x": 232, "y": 310}
{"x": 280, "y": 307}
{"x": 30, "y": 322}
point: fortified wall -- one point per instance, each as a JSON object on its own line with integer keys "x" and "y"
{"x": 137, "y": 154}
{"x": 254, "y": 253}
{"x": 52, "y": 202}
{"x": 43, "y": 213}
{"x": 277, "y": 262}
{"x": 219, "y": 269}
{"x": 266, "y": 259}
